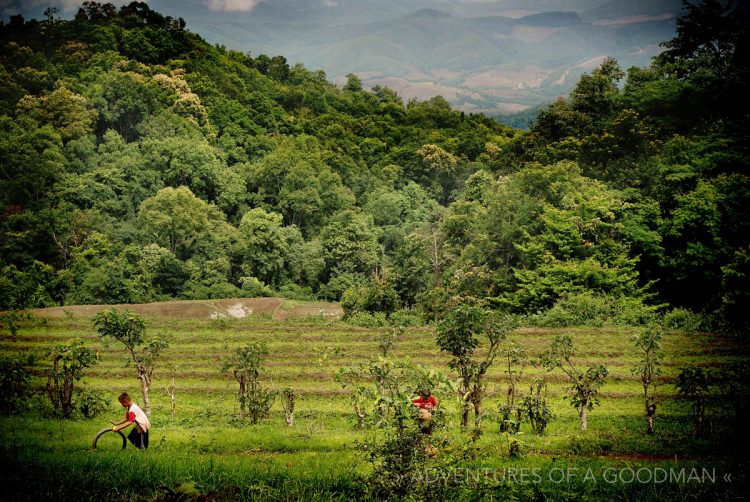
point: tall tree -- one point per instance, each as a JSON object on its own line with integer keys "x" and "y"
{"x": 472, "y": 335}
{"x": 129, "y": 329}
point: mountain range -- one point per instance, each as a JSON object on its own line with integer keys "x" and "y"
{"x": 489, "y": 56}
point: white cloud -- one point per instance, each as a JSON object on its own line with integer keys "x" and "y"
{"x": 231, "y": 5}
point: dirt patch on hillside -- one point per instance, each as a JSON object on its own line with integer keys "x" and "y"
{"x": 233, "y": 308}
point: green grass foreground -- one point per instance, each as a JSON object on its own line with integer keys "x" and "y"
{"x": 203, "y": 450}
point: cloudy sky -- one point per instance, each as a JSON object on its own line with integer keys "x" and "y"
{"x": 34, "y": 8}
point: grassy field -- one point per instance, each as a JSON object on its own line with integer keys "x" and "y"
{"x": 204, "y": 450}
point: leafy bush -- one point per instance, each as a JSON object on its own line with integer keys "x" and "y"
{"x": 684, "y": 319}
{"x": 68, "y": 362}
{"x": 292, "y": 291}
{"x": 253, "y": 287}
{"x": 367, "y": 320}
{"x": 15, "y": 376}
{"x": 510, "y": 418}
{"x": 334, "y": 289}
{"x": 405, "y": 318}
{"x": 398, "y": 461}
{"x": 587, "y": 309}
{"x": 197, "y": 291}
{"x": 629, "y": 311}
{"x": 376, "y": 295}
{"x": 583, "y": 309}
{"x": 90, "y": 402}
{"x": 245, "y": 364}
{"x": 535, "y": 406}
{"x": 10, "y": 320}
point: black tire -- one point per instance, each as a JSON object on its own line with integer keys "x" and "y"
{"x": 103, "y": 432}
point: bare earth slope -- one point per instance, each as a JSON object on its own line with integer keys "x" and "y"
{"x": 278, "y": 308}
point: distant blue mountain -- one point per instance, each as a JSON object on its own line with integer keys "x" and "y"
{"x": 492, "y": 56}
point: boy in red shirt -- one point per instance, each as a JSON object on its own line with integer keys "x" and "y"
{"x": 426, "y": 404}
{"x": 134, "y": 415}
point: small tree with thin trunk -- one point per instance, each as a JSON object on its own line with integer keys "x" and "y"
{"x": 68, "y": 362}
{"x": 584, "y": 389}
{"x": 245, "y": 365}
{"x": 288, "y": 400}
{"x": 535, "y": 406}
{"x": 353, "y": 377}
{"x": 514, "y": 360}
{"x": 466, "y": 327}
{"x": 648, "y": 369}
{"x": 129, "y": 329}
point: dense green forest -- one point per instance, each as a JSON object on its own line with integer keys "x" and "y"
{"x": 140, "y": 163}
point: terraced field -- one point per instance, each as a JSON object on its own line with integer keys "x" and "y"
{"x": 204, "y": 443}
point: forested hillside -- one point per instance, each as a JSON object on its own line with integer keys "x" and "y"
{"x": 138, "y": 162}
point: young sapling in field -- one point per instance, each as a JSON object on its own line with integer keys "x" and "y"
{"x": 171, "y": 391}
{"x": 467, "y": 326}
{"x": 10, "y": 319}
{"x": 401, "y": 454}
{"x": 514, "y": 360}
{"x": 353, "y": 377}
{"x": 584, "y": 385}
{"x": 245, "y": 365}
{"x": 129, "y": 329}
{"x": 648, "y": 344}
{"x": 535, "y": 406}
{"x": 287, "y": 401}
{"x": 68, "y": 362}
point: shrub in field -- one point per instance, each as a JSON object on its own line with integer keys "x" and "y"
{"x": 398, "y": 461}
{"x": 693, "y": 383}
{"x": 292, "y": 291}
{"x": 405, "y": 318}
{"x": 632, "y": 311}
{"x": 466, "y": 326}
{"x": 129, "y": 329}
{"x": 375, "y": 295}
{"x": 387, "y": 340}
{"x": 400, "y": 455}
{"x": 648, "y": 345}
{"x": 172, "y": 397}
{"x": 362, "y": 393}
{"x": 355, "y": 378}
{"x": 584, "y": 385}
{"x": 245, "y": 365}
{"x": 15, "y": 377}
{"x": 68, "y": 362}
{"x": 288, "y": 400}
{"x": 252, "y": 286}
{"x": 735, "y": 385}
{"x": 587, "y": 309}
{"x": 514, "y": 359}
{"x": 583, "y": 309}
{"x": 10, "y": 318}
{"x": 535, "y": 406}
{"x": 684, "y": 319}
{"x": 90, "y": 402}
{"x": 367, "y": 320}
